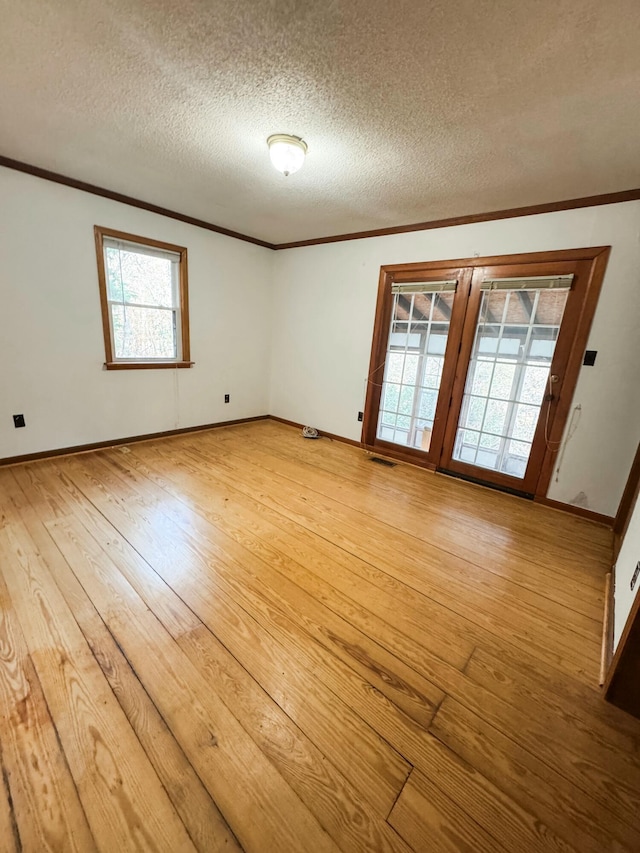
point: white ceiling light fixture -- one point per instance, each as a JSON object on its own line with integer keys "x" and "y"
{"x": 287, "y": 152}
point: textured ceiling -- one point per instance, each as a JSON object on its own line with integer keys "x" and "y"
{"x": 413, "y": 110}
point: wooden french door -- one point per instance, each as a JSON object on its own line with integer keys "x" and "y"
{"x": 474, "y": 363}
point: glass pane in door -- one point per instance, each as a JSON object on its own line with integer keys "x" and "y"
{"x": 413, "y": 366}
{"x": 508, "y": 377}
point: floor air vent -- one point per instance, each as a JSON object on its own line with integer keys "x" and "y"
{"x": 383, "y": 462}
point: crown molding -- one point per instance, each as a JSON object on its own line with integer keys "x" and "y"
{"x": 509, "y": 213}
{"x": 490, "y": 216}
{"x": 66, "y": 181}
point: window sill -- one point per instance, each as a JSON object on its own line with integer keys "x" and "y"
{"x": 145, "y": 365}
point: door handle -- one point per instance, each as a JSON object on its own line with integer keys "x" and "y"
{"x": 553, "y": 379}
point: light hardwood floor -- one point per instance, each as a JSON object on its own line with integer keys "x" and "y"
{"x": 239, "y": 639}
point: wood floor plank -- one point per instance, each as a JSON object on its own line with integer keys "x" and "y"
{"x": 295, "y": 555}
{"x": 436, "y": 499}
{"x": 371, "y": 674}
{"x": 489, "y": 806}
{"x": 8, "y": 827}
{"x": 326, "y": 555}
{"x": 417, "y": 522}
{"x": 355, "y": 531}
{"x": 232, "y": 562}
{"x": 121, "y": 795}
{"x": 274, "y": 537}
{"x": 39, "y": 805}
{"x": 280, "y": 542}
{"x": 476, "y": 794}
{"x": 361, "y": 754}
{"x": 479, "y": 797}
{"x": 579, "y": 757}
{"x": 201, "y": 817}
{"x": 597, "y": 729}
{"x": 223, "y": 508}
{"x": 267, "y": 627}
{"x": 338, "y": 806}
{"x": 580, "y": 549}
{"x": 417, "y": 577}
{"x": 531, "y": 782}
{"x": 249, "y": 792}
{"x": 429, "y": 820}
{"x": 577, "y": 530}
{"x": 313, "y": 657}
{"x": 523, "y": 677}
{"x": 575, "y": 764}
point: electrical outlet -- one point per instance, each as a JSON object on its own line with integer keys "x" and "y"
{"x": 227, "y": 398}
{"x": 18, "y": 421}
{"x": 360, "y": 415}
{"x": 635, "y": 576}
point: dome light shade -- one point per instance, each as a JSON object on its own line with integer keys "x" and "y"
{"x": 287, "y": 152}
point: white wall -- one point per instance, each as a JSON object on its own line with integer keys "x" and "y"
{"x": 625, "y": 566}
{"x": 51, "y": 343}
{"x": 324, "y": 307}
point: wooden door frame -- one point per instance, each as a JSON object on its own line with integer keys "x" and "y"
{"x": 627, "y": 503}
{"x": 621, "y": 685}
{"x": 593, "y": 262}
{"x": 527, "y": 485}
{"x": 399, "y": 275}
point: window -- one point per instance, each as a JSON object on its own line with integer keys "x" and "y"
{"x": 420, "y": 321}
{"x": 143, "y": 291}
